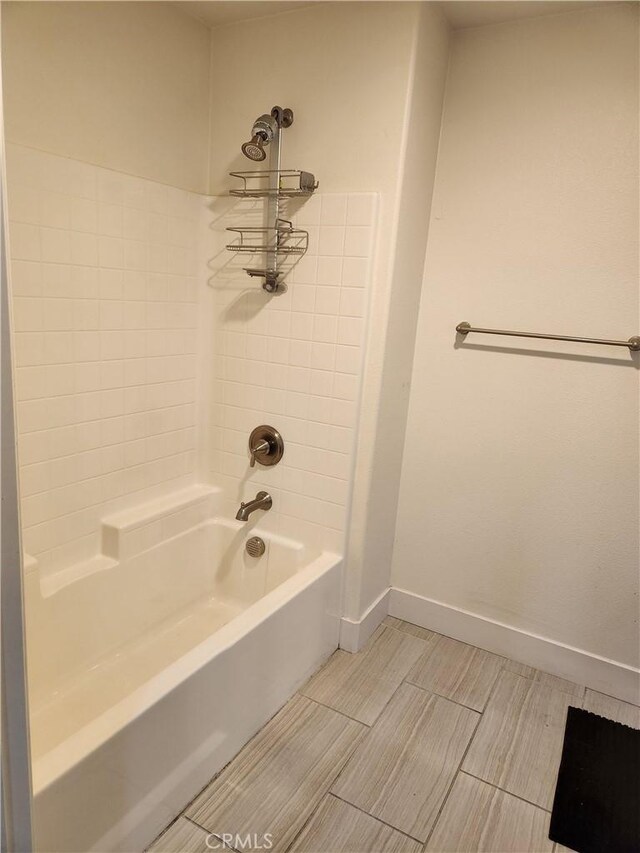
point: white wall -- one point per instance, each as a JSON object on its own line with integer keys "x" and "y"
{"x": 519, "y": 494}
{"x": 120, "y": 85}
{"x": 342, "y": 67}
{"x": 365, "y": 81}
{"x": 384, "y": 412}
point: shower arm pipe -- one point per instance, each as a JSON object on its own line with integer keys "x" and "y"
{"x": 633, "y": 344}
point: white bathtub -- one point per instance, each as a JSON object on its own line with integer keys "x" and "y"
{"x": 149, "y": 674}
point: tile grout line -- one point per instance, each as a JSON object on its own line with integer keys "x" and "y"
{"x": 373, "y": 817}
{"x": 455, "y": 776}
{"x": 225, "y": 846}
{"x": 368, "y": 727}
{"x": 332, "y": 782}
{"x": 503, "y": 667}
{"x": 459, "y": 769}
{"x": 441, "y": 696}
{"x": 367, "y": 734}
{"x": 307, "y": 821}
{"x": 335, "y": 710}
{"x": 505, "y": 791}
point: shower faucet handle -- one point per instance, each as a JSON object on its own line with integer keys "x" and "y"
{"x": 260, "y": 449}
{"x": 266, "y": 446}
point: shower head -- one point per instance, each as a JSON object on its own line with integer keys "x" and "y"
{"x": 254, "y": 149}
{"x": 262, "y": 132}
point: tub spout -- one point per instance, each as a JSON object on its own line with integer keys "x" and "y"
{"x": 262, "y": 501}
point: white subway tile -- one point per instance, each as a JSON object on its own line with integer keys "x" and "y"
{"x": 329, "y": 271}
{"x": 108, "y": 389}
{"x": 84, "y": 249}
{"x": 26, "y": 278}
{"x": 84, "y": 215}
{"x": 352, "y": 302}
{"x": 55, "y": 245}
{"x": 24, "y": 205}
{"x": 327, "y": 300}
{"x": 24, "y": 242}
{"x": 27, "y": 314}
{"x": 332, "y": 240}
{"x": 300, "y": 353}
{"x": 111, "y": 252}
{"x": 55, "y": 210}
{"x": 355, "y": 272}
{"x": 357, "y": 241}
{"x": 350, "y": 330}
{"x": 303, "y": 297}
{"x": 110, "y": 220}
{"x": 323, "y": 356}
{"x": 325, "y": 328}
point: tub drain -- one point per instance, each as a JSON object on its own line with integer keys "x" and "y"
{"x": 255, "y": 546}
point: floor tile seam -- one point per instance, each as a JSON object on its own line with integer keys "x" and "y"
{"x": 366, "y": 736}
{"x": 536, "y": 680}
{"x": 336, "y": 711}
{"x": 424, "y": 640}
{"x": 225, "y": 846}
{"x": 505, "y": 791}
{"x": 609, "y": 696}
{"x": 328, "y": 792}
{"x": 453, "y": 780}
{"x": 441, "y": 696}
{"x": 375, "y": 817}
{"x": 307, "y": 821}
{"x": 163, "y": 832}
{"x": 461, "y": 762}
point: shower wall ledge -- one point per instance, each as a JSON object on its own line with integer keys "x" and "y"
{"x": 139, "y": 528}
{"x": 131, "y": 532}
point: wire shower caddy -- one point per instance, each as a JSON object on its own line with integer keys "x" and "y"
{"x": 278, "y": 238}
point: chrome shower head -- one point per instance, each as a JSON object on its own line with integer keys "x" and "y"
{"x": 254, "y": 149}
{"x": 262, "y": 132}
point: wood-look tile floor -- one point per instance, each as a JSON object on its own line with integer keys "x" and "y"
{"x": 417, "y": 744}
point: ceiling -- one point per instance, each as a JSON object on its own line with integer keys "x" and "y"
{"x": 215, "y": 13}
{"x": 460, "y": 13}
{"x": 477, "y": 13}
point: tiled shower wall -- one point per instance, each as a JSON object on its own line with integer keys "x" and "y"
{"x": 292, "y": 360}
{"x": 135, "y": 329}
{"x": 104, "y": 283}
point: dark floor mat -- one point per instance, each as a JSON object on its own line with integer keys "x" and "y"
{"x": 597, "y": 803}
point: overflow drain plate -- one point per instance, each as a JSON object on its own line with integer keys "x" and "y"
{"x": 255, "y": 546}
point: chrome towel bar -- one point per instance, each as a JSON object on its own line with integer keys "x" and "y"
{"x": 633, "y": 343}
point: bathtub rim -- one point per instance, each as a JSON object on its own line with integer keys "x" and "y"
{"x": 49, "y": 767}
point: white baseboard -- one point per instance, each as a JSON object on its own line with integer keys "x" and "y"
{"x": 353, "y": 635}
{"x": 598, "y": 673}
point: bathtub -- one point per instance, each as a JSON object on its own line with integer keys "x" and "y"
{"x": 148, "y": 674}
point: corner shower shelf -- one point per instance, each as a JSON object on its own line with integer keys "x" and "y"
{"x": 290, "y": 183}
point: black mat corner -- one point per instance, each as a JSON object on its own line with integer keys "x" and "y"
{"x": 597, "y": 803}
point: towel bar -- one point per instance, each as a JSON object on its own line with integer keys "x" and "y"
{"x": 633, "y": 343}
